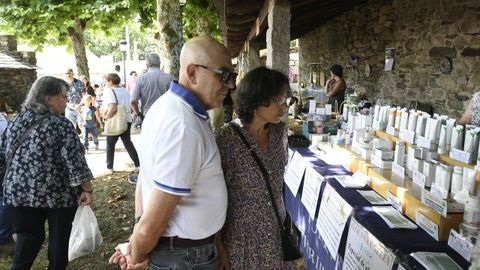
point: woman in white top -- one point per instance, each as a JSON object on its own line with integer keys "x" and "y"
{"x": 110, "y": 108}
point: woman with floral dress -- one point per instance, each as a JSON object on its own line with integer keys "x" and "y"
{"x": 250, "y": 238}
{"x": 48, "y": 175}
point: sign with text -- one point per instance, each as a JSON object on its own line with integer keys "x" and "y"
{"x": 394, "y": 201}
{"x": 460, "y": 244}
{"x": 294, "y": 173}
{"x": 418, "y": 178}
{"x": 334, "y": 211}
{"x": 392, "y": 131}
{"x": 364, "y": 252}
{"x": 424, "y": 142}
{"x": 398, "y": 170}
{"x": 439, "y": 191}
{"x": 407, "y": 135}
{"x": 460, "y": 155}
{"x": 434, "y": 202}
{"x": 427, "y": 224}
{"x": 311, "y": 189}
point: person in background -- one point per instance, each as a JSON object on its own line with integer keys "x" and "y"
{"x": 335, "y": 87}
{"x": 150, "y": 86}
{"x": 250, "y": 238}
{"x": 89, "y": 89}
{"x": 472, "y": 112}
{"x": 48, "y": 176}
{"x": 7, "y": 245}
{"x": 110, "y": 108}
{"x": 91, "y": 117}
{"x": 183, "y": 192}
{"x": 131, "y": 82}
{"x": 76, "y": 90}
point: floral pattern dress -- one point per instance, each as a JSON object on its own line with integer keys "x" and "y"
{"x": 251, "y": 233}
{"x": 476, "y": 109}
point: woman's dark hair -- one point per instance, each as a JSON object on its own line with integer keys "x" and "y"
{"x": 257, "y": 88}
{"x": 113, "y": 77}
{"x": 337, "y": 70}
{"x": 44, "y": 86}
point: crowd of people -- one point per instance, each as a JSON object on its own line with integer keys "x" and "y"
{"x": 197, "y": 203}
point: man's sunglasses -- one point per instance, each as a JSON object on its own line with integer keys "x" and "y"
{"x": 225, "y": 75}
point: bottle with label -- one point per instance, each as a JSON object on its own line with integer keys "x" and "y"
{"x": 471, "y": 216}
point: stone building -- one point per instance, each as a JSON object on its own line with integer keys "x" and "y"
{"x": 436, "y": 44}
{"x": 17, "y": 72}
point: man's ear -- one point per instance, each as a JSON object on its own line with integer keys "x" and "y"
{"x": 191, "y": 73}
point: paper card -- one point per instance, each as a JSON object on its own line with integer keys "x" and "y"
{"x": 391, "y": 130}
{"x": 427, "y": 224}
{"x": 311, "y": 189}
{"x": 460, "y": 244}
{"x": 334, "y": 211}
{"x": 460, "y": 155}
{"x": 290, "y": 154}
{"x": 424, "y": 142}
{"x": 372, "y": 197}
{"x": 394, "y": 201}
{"x": 347, "y": 181}
{"x": 364, "y": 251}
{"x": 434, "y": 202}
{"x": 419, "y": 178}
{"x": 439, "y": 191}
{"x": 398, "y": 170}
{"x": 407, "y": 135}
{"x": 435, "y": 261}
{"x": 294, "y": 172}
{"x": 393, "y": 218}
{"x": 312, "y": 105}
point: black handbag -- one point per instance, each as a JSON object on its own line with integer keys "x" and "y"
{"x": 290, "y": 250}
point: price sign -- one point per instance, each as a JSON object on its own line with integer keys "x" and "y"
{"x": 398, "y": 170}
{"x": 418, "y": 178}
{"x": 407, "y": 135}
{"x": 424, "y": 142}
{"x": 460, "y": 155}
{"x": 391, "y": 130}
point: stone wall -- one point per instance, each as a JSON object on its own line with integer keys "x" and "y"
{"x": 437, "y": 51}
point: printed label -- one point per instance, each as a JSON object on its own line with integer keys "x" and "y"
{"x": 426, "y": 224}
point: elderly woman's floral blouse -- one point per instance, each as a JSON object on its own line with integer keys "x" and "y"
{"x": 49, "y": 165}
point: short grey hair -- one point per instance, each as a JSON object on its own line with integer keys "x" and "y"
{"x": 44, "y": 86}
{"x": 153, "y": 60}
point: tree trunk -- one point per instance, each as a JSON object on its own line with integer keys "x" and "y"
{"x": 78, "y": 44}
{"x": 169, "y": 17}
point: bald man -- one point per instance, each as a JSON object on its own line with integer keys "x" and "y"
{"x": 183, "y": 192}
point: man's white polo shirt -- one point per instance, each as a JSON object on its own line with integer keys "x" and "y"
{"x": 179, "y": 155}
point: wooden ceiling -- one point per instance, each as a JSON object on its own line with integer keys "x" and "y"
{"x": 244, "y": 20}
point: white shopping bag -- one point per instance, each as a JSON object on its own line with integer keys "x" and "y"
{"x": 85, "y": 237}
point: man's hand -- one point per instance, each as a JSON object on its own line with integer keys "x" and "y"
{"x": 123, "y": 258}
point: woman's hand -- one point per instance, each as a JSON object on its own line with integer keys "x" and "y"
{"x": 85, "y": 198}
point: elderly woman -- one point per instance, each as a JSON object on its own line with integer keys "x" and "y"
{"x": 251, "y": 234}
{"x": 472, "y": 112}
{"x": 48, "y": 175}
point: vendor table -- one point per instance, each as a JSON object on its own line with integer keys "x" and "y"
{"x": 401, "y": 241}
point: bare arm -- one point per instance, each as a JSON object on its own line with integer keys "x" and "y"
{"x": 153, "y": 224}
{"x": 112, "y": 109}
{"x": 97, "y": 115}
{"x": 336, "y": 87}
{"x": 134, "y": 105}
{"x": 467, "y": 115}
{"x": 138, "y": 198}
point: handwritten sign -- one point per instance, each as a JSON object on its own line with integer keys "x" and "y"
{"x": 407, "y": 135}
{"x": 334, "y": 211}
{"x": 294, "y": 173}
{"x": 460, "y": 244}
{"x": 311, "y": 190}
{"x": 460, "y": 155}
{"x": 427, "y": 225}
{"x": 363, "y": 251}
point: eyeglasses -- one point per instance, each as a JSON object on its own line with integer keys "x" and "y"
{"x": 283, "y": 100}
{"x": 225, "y": 74}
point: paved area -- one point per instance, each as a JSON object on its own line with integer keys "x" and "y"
{"x": 97, "y": 159}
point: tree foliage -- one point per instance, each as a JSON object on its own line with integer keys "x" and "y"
{"x": 199, "y": 17}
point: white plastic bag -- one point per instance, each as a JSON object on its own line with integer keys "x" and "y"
{"x": 85, "y": 237}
